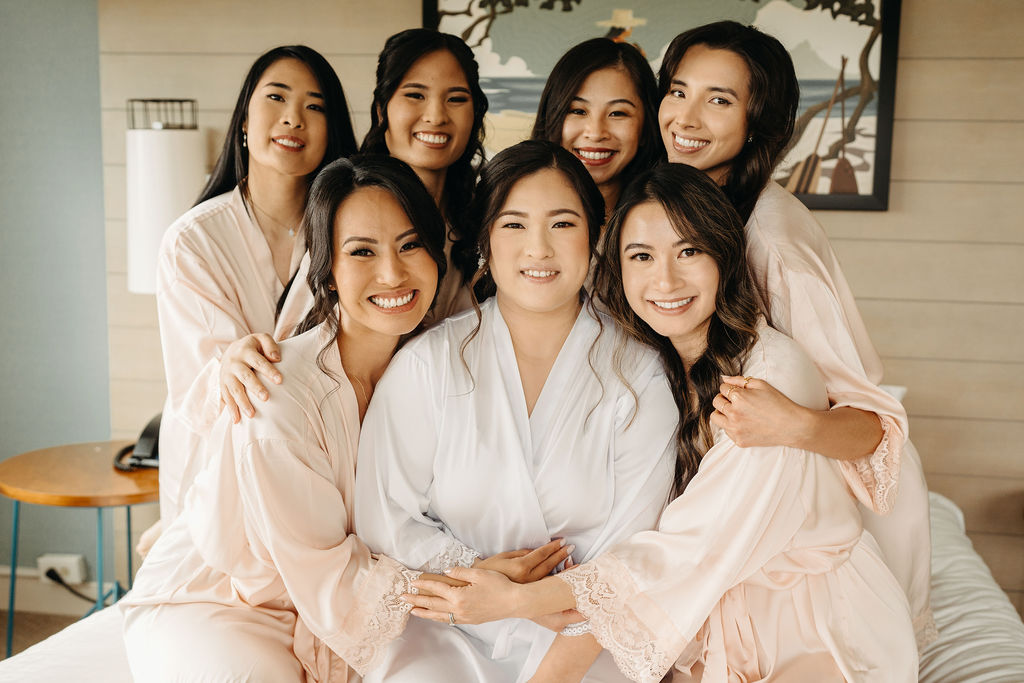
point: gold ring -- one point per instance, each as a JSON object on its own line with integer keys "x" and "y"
{"x": 451, "y": 619}
{"x": 728, "y": 395}
{"x": 746, "y": 381}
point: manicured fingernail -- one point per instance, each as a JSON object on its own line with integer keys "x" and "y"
{"x": 264, "y": 395}
{"x": 277, "y": 379}
{"x": 561, "y": 542}
{"x": 447, "y": 571}
{"x": 570, "y": 549}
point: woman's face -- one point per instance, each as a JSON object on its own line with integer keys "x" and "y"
{"x": 540, "y": 249}
{"x": 604, "y": 123}
{"x": 703, "y": 116}
{"x": 430, "y": 116}
{"x": 286, "y": 125}
{"x": 384, "y": 275}
{"x": 668, "y": 283}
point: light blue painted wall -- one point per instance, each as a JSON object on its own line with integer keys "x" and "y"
{"x": 53, "y": 311}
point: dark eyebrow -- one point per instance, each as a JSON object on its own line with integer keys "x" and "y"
{"x": 618, "y": 100}
{"x": 640, "y": 245}
{"x": 523, "y": 214}
{"x": 714, "y": 88}
{"x": 370, "y": 240}
{"x": 282, "y": 86}
{"x": 421, "y": 86}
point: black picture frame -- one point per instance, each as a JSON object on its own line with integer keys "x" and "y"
{"x": 873, "y": 164}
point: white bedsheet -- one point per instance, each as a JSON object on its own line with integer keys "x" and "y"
{"x": 981, "y": 636}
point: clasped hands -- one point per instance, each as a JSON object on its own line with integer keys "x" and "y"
{"x": 491, "y": 588}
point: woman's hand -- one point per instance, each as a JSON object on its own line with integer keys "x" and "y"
{"x": 525, "y": 566}
{"x": 754, "y": 413}
{"x": 253, "y": 353}
{"x": 488, "y": 596}
{"x": 559, "y": 620}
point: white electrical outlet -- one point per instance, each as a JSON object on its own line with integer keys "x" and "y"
{"x": 70, "y": 567}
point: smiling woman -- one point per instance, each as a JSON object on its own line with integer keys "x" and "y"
{"x": 235, "y": 588}
{"x": 224, "y": 265}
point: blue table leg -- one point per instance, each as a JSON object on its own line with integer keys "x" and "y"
{"x": 100, "y": 601}
{"x": 128, "y": 519}
{"x": 14, "y": 576}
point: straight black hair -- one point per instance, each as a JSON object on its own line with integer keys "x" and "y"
{"x": 233, "y": 163}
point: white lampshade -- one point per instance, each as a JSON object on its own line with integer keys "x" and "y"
{"x": 164, "y": 170}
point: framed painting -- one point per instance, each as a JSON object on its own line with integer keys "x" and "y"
{"x": 844, "y": 52}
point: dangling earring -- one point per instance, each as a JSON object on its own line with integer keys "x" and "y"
{"x": 245, "y": 140}
{"x": 750, "y": 138}
{"x": 481, "y": 262}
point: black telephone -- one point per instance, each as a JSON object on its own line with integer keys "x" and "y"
{"x": 143, "y": 453}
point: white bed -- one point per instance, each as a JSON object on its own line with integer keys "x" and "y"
{"x": 981, "y": 636}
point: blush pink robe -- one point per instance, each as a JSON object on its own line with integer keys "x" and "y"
{"x": 809, "y": 300}
{"x": 759, "y": 571}
{"x": 261, "y": 576}
{"x": 216, "y": 283}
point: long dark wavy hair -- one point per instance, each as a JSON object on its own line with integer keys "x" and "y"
{"x": 400, "y": 52}
{"x": 566, "y": 79}
{"x": 336, "y": 183}
{"x": 233, "y": 163}
{"x": 703, "y": 217}
{"x": 771, "y": 111}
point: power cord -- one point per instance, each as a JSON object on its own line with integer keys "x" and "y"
{"x": 53, "y": 575}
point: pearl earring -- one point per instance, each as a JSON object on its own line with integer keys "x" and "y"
{"x": 245, "y": 140}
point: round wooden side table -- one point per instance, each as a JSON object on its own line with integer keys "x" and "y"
{"x": 76, "y": 475}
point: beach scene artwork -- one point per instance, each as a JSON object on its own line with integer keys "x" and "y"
{"x": 835, "y": 46}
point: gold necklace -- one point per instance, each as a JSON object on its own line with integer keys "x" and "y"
{"x": 362, "y": 390}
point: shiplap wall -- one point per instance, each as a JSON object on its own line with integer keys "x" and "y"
{"x": 938, "y": 276}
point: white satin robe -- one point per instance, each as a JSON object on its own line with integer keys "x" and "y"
{"x": 451, "y": 467}
{"x": 759, "y": 571}
{"x": 261, "y": 576}
{"x": 216, "y": 283}
{"x": 808, "y": 299}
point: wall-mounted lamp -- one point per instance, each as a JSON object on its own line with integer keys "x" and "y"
{"x": 164, "y": 167}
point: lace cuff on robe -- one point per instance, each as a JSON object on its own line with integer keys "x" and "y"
{"x": 880, "y": 472}
{"x": 378, "y": 616}
{"x": 603, "y": 589}
{"x": 454, "y": 554}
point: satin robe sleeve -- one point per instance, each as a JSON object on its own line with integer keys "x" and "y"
{"x": 198, "y": 320}
{"x": 805, "y": 304}
{"x": 648, "y": 597}
{"x": 398, "y": 444}
{"x": 293, "y": 519}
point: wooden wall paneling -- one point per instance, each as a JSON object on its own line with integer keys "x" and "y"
{"x": 135, "y": 354}
{"x": 924, "y": 271}
{"x": 1004, "y": 555}
{"x": 937, "y": 211}
{"x": 125, "y": 309}
{"x": 961, "y": 29}
{"x": 212, "y": 80}
{"x": 945, "y": 330}
{"x": 137, "y": 401}
{"x": 113, "y": 192}
{"x": 959, "y": 389}
{"x": 977, "y": 89}
{"x": 207, "y": 26}
{"x": 993, "y": 505}
{"x": 969, "y": 447}
{"x": 969, "y": 151}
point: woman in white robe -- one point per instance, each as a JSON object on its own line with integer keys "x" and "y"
{"x": 759, "y": 570}
{"x": 729, "y": 103}
{"x": 510, "y": 426}
{"x": 223, "y": 265}
{"x": 261, "y": 577}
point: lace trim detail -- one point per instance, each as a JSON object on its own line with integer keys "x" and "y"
{"x": 617, "y": 628}
{"x": 881, "y": 470}
{"x": 925, "y": 629}
{"x": 379, "y": 614}
{"x": 578, "y": 629}
{"x": 454, "y": 555}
